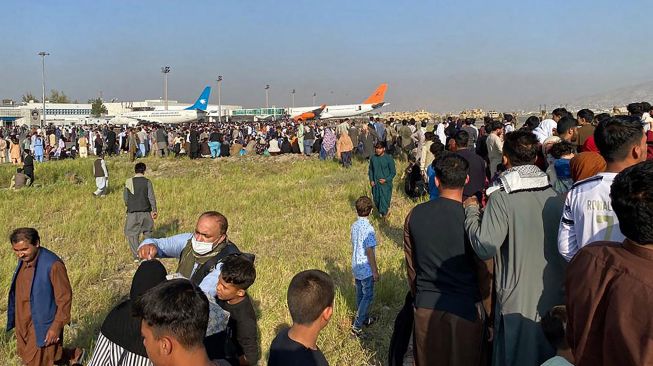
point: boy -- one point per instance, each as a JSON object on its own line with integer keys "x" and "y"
{"x": 554, "y": 325}
{"x": 363, "y": 263}
{"x": 310, "y": 302}
{"x": 236, "y": 276}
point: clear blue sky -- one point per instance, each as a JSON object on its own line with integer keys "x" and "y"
{"x": 438, "y": 55}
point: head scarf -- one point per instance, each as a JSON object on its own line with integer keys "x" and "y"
{"x": 120, "y": 327}
{"x": 586, "y": 164}
{"x": 545, "y": 129}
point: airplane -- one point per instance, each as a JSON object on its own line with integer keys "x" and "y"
{"x": 373, "y": 102}
{"x": 193, "y": 113}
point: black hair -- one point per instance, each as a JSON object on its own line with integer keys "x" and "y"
{"x": 632, "y": 201}
{"x": 615, "y": 136}
{"x": 364, "y": 206}
{"x": 560, "y": 112}
{"x": 531, "y": 123}
{"x": 309, "y": 293}
{"x": 220, "y": 218}
{"x": 139, "y": 168}
{"x": 175, "y": 308}
{"x": 645, "y": 107}
{"x": 554, "y": 326}
{"x": 19, "y": 170}
{"x": 462, "y": 138}
{"x": 520, "y": 147}
{"x": 451, "y": 170}
{"x": 601, "y": 117}
{"x": 470, "y": 121}
{"x": 437, "y": 149}
{"x": 493, "y": 126}
{"x": 635, "y": 109}
{"x": 239, "y": 271}
{"x": 565, "y": 124}
{"x": 508, "y": 117}
{"x": 428, "y": 136}
{"x": 562, "y": 148}
{"x": 28, "y": 234}
{"x": 585, "y": 114}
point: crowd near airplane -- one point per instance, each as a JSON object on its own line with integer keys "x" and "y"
{"x": 373, "y": 102}
{"x": 193, "y": 113}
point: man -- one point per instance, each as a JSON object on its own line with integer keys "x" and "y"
{"x": 609, "y": 283}
{"x": 174, "y": 317}
{"x": 200, "y": 253}
{"x": 366, "y": 141}
{"x": 111, "y": 141}
{"x": 566, "y": 129}
{"x": 379, "y": 128}
{"x": 28, "y": 166}
{"x": 354, "y": 132}
{"x": 142, "y": 141}
{"x": 161, "y": 141}
{"x": 508, "y": 123}
{"x": 495, "y": 146}
{"x": 309, "y": 139}
{"x": 476, "y": 183}
{"x": 39, "y": 302}
{"x": 132, "y": 144}
{"x": 405, "y": 136}
{"x": 83, "y": 146}
{"x": 20, "y": 180}
{"x": 472, "y": 131}
{"x": 588, "y": 215}
{"x": 381, "y": 172}
{"x": 141, "y": 208}
{"x": 300, "y": 136}
{"x": 442, "y": 273}
{"x": 101, "y": 175}
{"x": 518, "y": 231}
{"x": 585, "y": 129}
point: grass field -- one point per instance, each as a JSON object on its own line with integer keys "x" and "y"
{"x": 293, "y": 213}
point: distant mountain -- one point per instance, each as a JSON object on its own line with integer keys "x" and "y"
{"x": 617, "y": 97}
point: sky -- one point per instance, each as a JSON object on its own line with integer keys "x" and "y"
{"x": 436, "y": 55}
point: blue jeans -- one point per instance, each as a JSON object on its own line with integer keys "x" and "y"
{"x": 308, "y": 147}
{"x": 141, "y": 147}
{"x": 364, "y": 296}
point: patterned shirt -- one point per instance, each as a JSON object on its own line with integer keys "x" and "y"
{"x": 362, "y": 237}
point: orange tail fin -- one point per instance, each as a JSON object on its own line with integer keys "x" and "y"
{"x": 378, "y": 95}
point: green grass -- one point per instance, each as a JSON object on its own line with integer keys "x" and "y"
{"x": 293, "y": 213}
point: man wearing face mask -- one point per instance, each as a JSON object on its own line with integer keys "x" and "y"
{"x": 200, "y": 253}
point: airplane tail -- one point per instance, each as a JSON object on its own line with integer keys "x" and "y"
{"x": 378, "y": 96}
{"x": 203, "y": 101}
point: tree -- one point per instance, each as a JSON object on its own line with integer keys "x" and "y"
{"x": 58, "y": 97}
{"x": 27, "y": 97}
{"x": 97, "y": 107}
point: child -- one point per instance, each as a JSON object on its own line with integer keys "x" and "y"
{"x": 554, "y": 326}
{"x": 236, "y": 276}
{"x": 310, "y": 302}
{"x": 560, "y": 171}
{"x": 363, "y": 263}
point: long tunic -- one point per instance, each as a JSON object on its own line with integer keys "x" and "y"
{"x": 26, "y": 346}
{"x": 382, "y": 167}
{"x": 519, "y": 230}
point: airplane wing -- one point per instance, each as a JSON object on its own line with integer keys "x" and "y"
{"x": 313, "y": 114}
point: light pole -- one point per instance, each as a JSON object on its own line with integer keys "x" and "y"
{"x": 43, "y": 54}
{"x": 292, "y": 93}
{"x": 165, "y": 70}
{"x": 267, "y": 96}
{"x": 219, "y": 80}
{"x": 314, "y": 95}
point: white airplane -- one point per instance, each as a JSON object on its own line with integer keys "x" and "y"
{"x": 193, "y": 113}
{"x": 374, "y": 101}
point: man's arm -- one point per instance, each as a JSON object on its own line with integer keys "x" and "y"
{"x": 63, "y": 297}
{"x": 393, "y": 171}
{"x": 169, "y": 247}
{"x": 487, "y": 236}
{"x": 567, "y": 243}
{"x": 150, "y": 196}
{"x": 247, "y": 339}
{"x": 104, "y": 168}
{"x": 370, "y": 172}
{"x": 210, "y": 282}
{"x": 369, "y": 243}
{"x": 408, "y": 253}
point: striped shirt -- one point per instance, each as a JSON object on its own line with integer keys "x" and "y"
{"x": 107, "y": 353}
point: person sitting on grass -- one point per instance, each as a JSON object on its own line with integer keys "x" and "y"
{"x": 310, "y": 302}
{"x": 239, "y": 343}
{"x": 20, "y": 180}
{"x": 174, "y": 316}
{"x": 363, "y": 264}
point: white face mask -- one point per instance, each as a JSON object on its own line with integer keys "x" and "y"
{"x": 201, "y": 247}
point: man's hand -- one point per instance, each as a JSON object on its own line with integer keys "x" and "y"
{"x": 471, "y": 201}
{"x": 375, "y": 276}
{"x": 382, "y": 181}
{"x": 52, "y": 336}
{"x": 154, "y": 215}
{"x": 372, "y": 183}
{"x": 148, "y": 251}
{"x": 490, "y": 334}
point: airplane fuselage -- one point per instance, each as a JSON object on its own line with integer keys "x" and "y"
{"x": 164, "y": 117}
{"x": 337, "y": 111}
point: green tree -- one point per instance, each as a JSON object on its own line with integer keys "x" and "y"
{"x": 30, "y": 97}
{"x": 58, "y": 97}
{"x": 97, "y": 107}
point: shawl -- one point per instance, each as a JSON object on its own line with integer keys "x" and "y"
{"x": 521, "y": 178}
{"x": 586, "y": 164}
{"x": 545, "y": 129}
{"x": 329, "y": 140}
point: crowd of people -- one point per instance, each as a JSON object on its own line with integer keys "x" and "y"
{"x": 530, "y": 245}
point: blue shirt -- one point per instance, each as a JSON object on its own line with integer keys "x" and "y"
{"x": 433, "y": 189}
{"x": 362, "y": 237}
{"x": 171, "y": 247}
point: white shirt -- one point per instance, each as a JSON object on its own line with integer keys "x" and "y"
{"x": 588, "y": 216}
